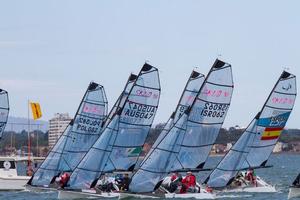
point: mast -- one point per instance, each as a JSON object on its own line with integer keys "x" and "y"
{"x": 29, "y": 139}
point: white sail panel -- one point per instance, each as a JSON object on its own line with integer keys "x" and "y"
{"x": 233, "y": 161}
{"x": 272, "y": 120}
{"x": 86, "y": 126}
{"x": 188, "y": 96}
{"x": 207, "y": 116}
{"x": 4, "y": 110}
{"x": 121, "y": 99}
{"x": 49, "y": 168}
{"x": 257, "y": 142}
{"x": 96, "y": 158}
{"x": 159, "y": 162}
{"x": 77, "y": 138}
{"x": 134, "y": 121}
{"x": 174, "y": 147}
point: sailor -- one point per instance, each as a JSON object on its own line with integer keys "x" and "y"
{"x": 63, "y": 179}
{"x": 107, "y": 184}
{"x": 250, "y": 176}
{"x": 176, "y": 178}
{"x": 188, "y": 183}
{"x": 125, "y": 183}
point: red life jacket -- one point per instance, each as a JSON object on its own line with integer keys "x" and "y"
{"x": 64, "y": 179}
{"x": 189, "y": 181}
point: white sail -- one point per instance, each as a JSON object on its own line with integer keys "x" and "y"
{"x": 120, "y": 145}
{"x": 76, "y": 139}
{"x": 187, "y": 142}
{"x": 4, "y": 110}
{"x": 257, "y": 142}
{"x": 188, "y": 96}
{"x": 206, "y": 118}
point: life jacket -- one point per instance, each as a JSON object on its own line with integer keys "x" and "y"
{"x": 173, "y": 177}
{"x": 64, "y": 179}
{"x": 189, "y": 181}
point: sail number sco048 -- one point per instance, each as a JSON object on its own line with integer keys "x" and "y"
{"x": 215, "y": 110}
{"x": 86, "y": 124}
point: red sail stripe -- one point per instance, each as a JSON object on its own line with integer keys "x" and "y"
{"x": 274, "y": 129}
{"x": 269, "y": 137}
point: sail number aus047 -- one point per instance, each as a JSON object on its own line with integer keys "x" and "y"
{"x": 214, "y": 110}
{"x": 140, "y": 110}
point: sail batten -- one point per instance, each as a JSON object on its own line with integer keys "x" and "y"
{"x": 255, "y": 145}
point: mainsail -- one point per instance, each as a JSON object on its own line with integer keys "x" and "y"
{"x": 254, "y": 147}
{"x": 121, "y": 99}
{"x": 190, "y": 92}
{"x": 121, "y": 142}
{"x": 77, "y": 138}
{"x": 4, "y": 109}
{"x": 189, "y": 140}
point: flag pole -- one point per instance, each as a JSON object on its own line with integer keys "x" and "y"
{"x": 28, "y": 135}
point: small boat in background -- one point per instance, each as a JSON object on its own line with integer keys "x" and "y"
{"x": 13, "y": 172}
{"x": 295, "y": 188}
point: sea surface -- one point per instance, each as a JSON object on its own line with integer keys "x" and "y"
{"x": 285, "y": 169}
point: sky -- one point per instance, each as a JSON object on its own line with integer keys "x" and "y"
{"x": 50, "y": 50}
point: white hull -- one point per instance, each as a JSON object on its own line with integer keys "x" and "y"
{"x": 169, "y": 196}
{"x": 294, "y": 192}
{"x": 262, "y": 187}
{"x": 16, "y": 183}
{"x": 67, "y": 194}
{"x": 39, "y": 189}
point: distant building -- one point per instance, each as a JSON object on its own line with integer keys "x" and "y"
{"x": 57, "y": 125}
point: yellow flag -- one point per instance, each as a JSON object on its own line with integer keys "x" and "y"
{"x": 36, "y": 110}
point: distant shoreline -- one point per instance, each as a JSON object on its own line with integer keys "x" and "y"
{"x": 276, "y": 153}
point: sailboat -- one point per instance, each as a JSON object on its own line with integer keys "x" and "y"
{"x": 294, "y": 190}
{"x": 254, "y": 147}
{"x": 188, "y": 142}
{"x": 120, "y": 144}
{"x": 10, "y": 178}
{"x": 4, "y": 110}
{"x": 75, "y": 141}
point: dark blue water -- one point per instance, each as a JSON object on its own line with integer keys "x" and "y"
{"x": 286, "y": 167}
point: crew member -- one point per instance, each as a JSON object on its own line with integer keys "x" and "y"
{"x": 188, "y": 183}
{"x": 250, "y": 176}
{"x": 125, "y": 182}
{"x": 63, "y": 179}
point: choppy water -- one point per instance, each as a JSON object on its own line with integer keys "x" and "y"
{"x": 286, "y": 168}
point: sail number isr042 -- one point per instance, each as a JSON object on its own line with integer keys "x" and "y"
{"x": 214, "y": 110}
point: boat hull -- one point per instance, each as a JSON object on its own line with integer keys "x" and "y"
{"x": 39, "y": 189}
{"x": 294, "y": 192}
{"x": 262, "y": 187}
{"x": 68, "y": 194}
{"x": 169, "y": 196}
{"x": 13, "y": 184}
